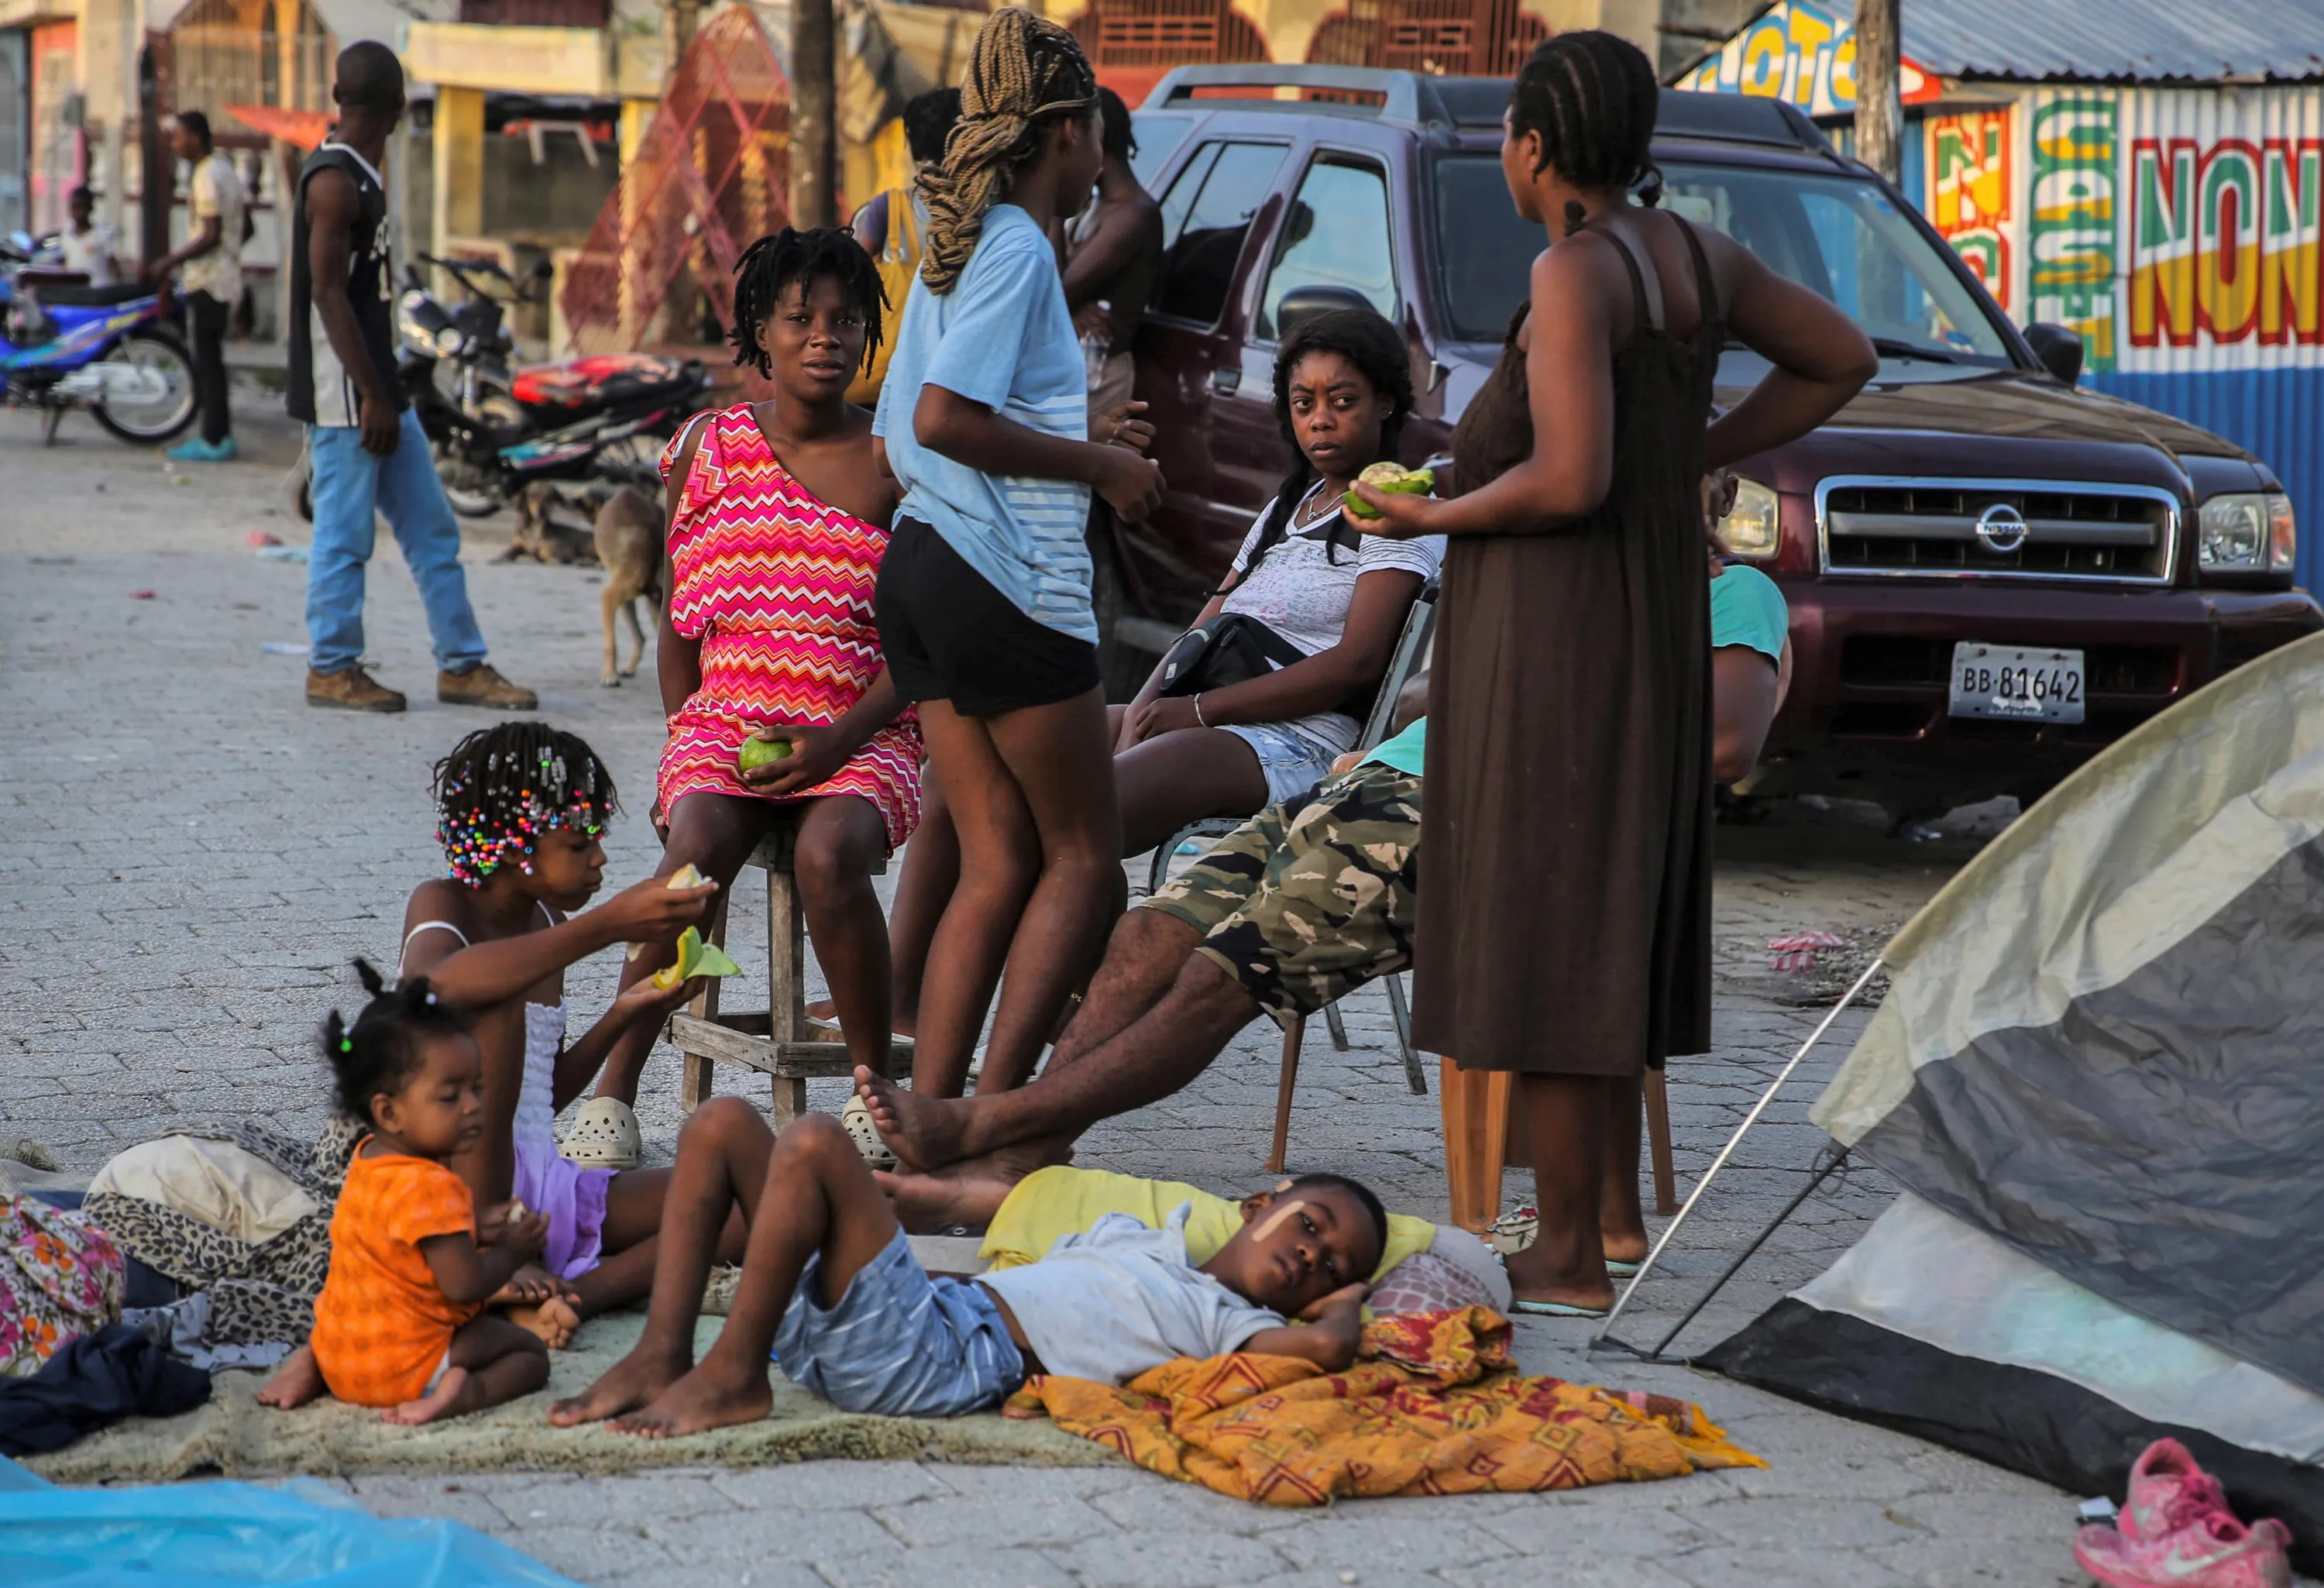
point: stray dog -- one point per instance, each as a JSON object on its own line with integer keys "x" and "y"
{"x": 540, "y": 536}
{"x": 629, "y": 534}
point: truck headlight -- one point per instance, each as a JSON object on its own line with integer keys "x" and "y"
{"x": 2232, "y": 533}
{"x": 1753, "y": 528}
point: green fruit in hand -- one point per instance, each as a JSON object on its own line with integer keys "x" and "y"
{"x": 695, "y": 958}
{"x": 758, "y": 753}
{"x": 1393, "y": 477}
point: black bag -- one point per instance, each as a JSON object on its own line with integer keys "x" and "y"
{"x": 1229, "y": 649}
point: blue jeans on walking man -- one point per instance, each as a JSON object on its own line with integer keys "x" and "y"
{"x": 349, "y": 487}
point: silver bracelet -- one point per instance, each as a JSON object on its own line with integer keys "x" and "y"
{"x": 1198, "y": 711}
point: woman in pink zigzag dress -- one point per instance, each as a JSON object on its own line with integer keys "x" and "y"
{"x": 779, "y": 516}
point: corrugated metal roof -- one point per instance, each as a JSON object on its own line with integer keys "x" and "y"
{"x": 2113, "y": 40}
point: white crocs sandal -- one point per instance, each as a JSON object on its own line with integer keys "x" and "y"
{"x": 604, "y": 1136}
{"x": 856, "y": 1118}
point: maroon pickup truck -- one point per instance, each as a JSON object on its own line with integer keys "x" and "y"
{"x": 1991, "y": 574}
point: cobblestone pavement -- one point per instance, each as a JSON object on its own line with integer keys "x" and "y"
{"x": 192, "y": 855}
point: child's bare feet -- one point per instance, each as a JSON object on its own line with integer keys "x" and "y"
{"x": 297, "y": 1381}
{"x": 528, "y": 1286}
{"x": 554, "y": 1321}
{"x": 704, "y": 1398}
{"x": 924, "y": 1132}
{"x": 635, "y": 1381}
{"x": 442, "y": 1401}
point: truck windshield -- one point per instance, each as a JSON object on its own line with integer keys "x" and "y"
{"x": 1837, "y": 235}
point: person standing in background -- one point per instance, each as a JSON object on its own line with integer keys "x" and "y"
{"x": 891, "y": 224}
{"x": 211, "y": 263}
{"x": 87, "y": 244}
{"x": 367, "y": 451}
{"x": 1112, "y": 254}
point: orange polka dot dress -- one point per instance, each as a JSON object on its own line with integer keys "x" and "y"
{"x": 382, "y": 1325}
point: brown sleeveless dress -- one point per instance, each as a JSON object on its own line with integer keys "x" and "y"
{"x": 1565, "y": 920}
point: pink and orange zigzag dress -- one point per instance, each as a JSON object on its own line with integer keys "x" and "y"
{"x": 777, "y": 584}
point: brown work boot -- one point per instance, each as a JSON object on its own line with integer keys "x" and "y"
{"x": 481, "y": 686}
{"x": 351, "y": 689}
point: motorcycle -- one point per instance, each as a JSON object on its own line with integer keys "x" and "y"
{"x": 494, "y": 430}
{"x": 112, "y": 350}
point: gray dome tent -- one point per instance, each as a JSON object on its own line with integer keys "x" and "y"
{"x": 2099, "y": 1076}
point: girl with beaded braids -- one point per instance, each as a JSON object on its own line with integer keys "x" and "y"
{"x": 519, "y": 810}
{"x": 1564, "y": 931}
{"x": 984, "y": 597}
{"x": 777, "y": 522}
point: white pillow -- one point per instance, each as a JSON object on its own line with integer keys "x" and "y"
{"x": 216, "y": 1182}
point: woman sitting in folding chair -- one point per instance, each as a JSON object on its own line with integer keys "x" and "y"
{"x": 1306, "y": 621}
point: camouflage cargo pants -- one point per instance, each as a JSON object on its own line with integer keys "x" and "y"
{"x": 1311, "y": 898}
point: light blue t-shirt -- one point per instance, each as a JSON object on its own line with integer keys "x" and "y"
{"x": 1002, "y": 336}
{"x": 1746, "y": 608}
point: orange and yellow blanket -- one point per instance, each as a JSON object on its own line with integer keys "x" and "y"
{"x": 1432, "y": 1406}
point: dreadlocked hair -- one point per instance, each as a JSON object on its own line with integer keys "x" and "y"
{"x": 502, "y": 788}
{"x": 382, "y": 1048}
{"x": 1365, "y": 338}
{"x": 1591, "y": 97}
{"x": 771, "y": 264}
{"x": 1025, "y": 74}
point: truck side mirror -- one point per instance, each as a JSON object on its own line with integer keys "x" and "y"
{"x": 2058, "y": 349}
{"x": 1302, "y": 303}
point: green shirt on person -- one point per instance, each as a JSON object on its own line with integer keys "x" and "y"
{"x": 1746, "y": 609}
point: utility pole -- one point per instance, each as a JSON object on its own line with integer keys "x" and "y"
{"x": 1879, "y": 103}
{"x": 814, "y": 94}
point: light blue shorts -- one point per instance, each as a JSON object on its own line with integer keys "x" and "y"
{"x": 1291, "y": 761}
{"x": 899, "y": 1343}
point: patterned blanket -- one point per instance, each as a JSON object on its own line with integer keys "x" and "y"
{"x": 1432, "y": 1406}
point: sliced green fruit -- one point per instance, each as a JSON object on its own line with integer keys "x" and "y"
{"x": 1392, "y": 477}
{"x": 684, "y": 876}
{"x": 695, "y": 958}
{"x": 758, "y": 753}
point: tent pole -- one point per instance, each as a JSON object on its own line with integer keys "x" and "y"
{"x": 1728, "y": 1151}
{"x": 1834, "y": 1156}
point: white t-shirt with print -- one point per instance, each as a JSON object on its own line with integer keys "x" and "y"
{"x": 90, "y": 252}
{"x": 216, "y": 191}
{"x": 1302, "y": 589}
{"x": 1110, "y": 1304}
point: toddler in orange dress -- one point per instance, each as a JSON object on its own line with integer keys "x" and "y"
{"x": 401, "y": 1323}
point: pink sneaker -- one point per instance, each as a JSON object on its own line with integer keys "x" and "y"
{"x": 2214, "y": 1551}
{"x": 2167, "y": 1492}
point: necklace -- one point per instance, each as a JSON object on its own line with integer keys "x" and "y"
{"x": 1303, "y": 517}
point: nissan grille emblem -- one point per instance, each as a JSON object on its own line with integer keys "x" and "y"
{"x": 2001, "y": 529}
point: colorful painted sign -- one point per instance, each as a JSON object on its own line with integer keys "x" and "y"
{"x": 2223, "y": 241}
{"x": 1971, "y": 162}
{"x": 1802, "y": 53}
{"x": 2070, "y": 234}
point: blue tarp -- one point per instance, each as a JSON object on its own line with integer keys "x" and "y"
{"x": 213, "y": 1535}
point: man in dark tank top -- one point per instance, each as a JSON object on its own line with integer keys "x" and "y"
{"x": 365, "y": 448}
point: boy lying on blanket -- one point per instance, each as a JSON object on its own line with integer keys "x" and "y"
{"x": 830, "y": 1284}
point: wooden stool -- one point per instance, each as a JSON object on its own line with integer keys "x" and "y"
{"x": 782, "y": 1042}
{"x": 1483, "y": 1135}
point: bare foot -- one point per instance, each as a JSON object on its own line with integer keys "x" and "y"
{"x": 704, "y": 1398}
{"x": 442, "y": 1401}
{"x": 528, "y": 1286}
{"x": 970, "y": 1192}
{"x": 554, "y": 1320}
{"x": 631, "y": 1382}
{"x": 297, "y": 1381}
{"x": 924, "y": 1132}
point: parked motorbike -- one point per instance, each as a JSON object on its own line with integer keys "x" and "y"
{"x": 494, "y": 429}
{"x": 66, "y": 345}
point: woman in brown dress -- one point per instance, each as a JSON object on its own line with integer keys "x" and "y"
{"x": 1565, "y": 925}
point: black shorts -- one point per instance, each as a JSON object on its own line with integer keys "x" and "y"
{"x": 950, "y": 636}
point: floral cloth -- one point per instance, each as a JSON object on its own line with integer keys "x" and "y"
{"x": 59, "y": 1276}
{"x": 1433, "y": 1407}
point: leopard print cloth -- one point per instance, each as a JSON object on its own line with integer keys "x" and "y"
{"x": 259, "y": 1291}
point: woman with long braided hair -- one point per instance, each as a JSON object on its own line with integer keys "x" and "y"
{"x": 984, "y": 596}
{"x": 1564, "y": 931}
